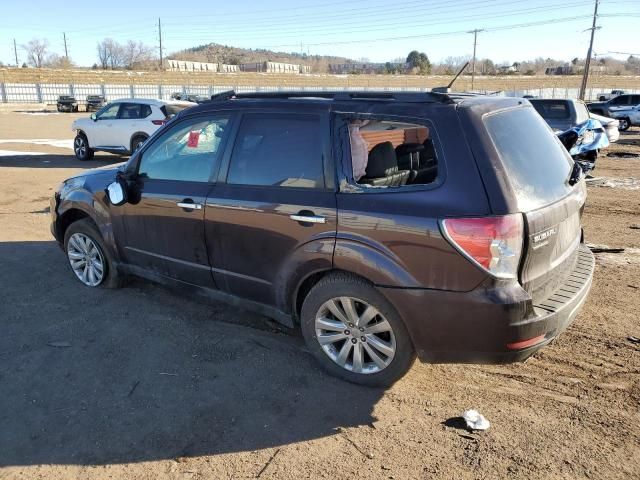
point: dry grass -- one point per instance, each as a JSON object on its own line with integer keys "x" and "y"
{"x": 513, "y": 82}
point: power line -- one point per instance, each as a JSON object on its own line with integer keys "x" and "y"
{"x": 445, "y": 18}
{"x": 443, "y": 34}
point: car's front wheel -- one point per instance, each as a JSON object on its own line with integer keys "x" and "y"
{"x": 624, "y": 124}
{"x": 354, "y": 332}
{"x": 88, "y": 258}
{"x": 81, "y": 148}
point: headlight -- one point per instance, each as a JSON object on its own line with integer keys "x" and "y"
{"x": 588, "y": 137}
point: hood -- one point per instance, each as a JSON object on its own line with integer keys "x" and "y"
{"x": 107, "y": 170}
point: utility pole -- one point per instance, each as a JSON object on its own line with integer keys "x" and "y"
{"x": 15, "y": 52}
{"x": 160, "y": 36}
{"x": 585, "y": 74}
{"x": 473, "y": 62}
{"x": 66, "y": 52}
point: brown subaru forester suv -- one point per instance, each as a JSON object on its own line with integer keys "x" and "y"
{"x": 387, "y": 225}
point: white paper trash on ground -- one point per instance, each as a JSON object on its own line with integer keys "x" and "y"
{"x": 475, "y": 421}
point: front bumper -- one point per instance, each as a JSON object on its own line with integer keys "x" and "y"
{"x": 478, "y": 326}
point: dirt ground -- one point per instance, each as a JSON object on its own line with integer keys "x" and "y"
{"x": 144, "y": 383}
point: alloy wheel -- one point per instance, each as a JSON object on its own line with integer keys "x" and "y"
{"x": 80, "y": 146}
{"x": 86, "y": 259}
{"x": 355, "y": 335}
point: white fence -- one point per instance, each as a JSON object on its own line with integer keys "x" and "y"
{"x": 49, "y": 92}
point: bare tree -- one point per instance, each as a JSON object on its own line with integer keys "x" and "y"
{"x": 103, "y": 54}
{"x": 36, "y": 51}
{"x": 136, "y": 54}
{"x": 110, "y": 54}
{"x": 56, "y": 61}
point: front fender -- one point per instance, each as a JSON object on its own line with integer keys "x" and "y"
{"x": 94, "y": 205}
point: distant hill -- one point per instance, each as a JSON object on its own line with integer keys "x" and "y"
{"x": 216, "y": 53}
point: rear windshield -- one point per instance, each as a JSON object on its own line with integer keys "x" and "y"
{"x": 551, "y": 110}
{"x": 535, "y": 162}
{"x": 171, "y": 110}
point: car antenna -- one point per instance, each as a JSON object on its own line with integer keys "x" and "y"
{"x": 447, "y": 89}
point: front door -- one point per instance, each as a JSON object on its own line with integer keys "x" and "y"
{"x": 102, "y": 132}
{"x": 163, "y": 224}
{"x": 272, "y": 212}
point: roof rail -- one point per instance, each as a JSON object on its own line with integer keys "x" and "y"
{"x": 410, "y": 97}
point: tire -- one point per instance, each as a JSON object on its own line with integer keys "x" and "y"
{"x": 136, "y": 142}
{"x": 624, "y": 124}
{"x": 73, "y": 245}
{"x": 81, "y": 148}
{"x": 362, "y": 295}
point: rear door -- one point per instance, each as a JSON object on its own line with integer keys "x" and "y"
{"x": 162, "y": 227}
{"x": 132, "y": 119}
{"x": 536, "y": 169}
{"x": 273, "y": 211}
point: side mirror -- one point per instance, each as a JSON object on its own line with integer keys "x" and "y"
{"x": 93, "y": 117}
{"x": 117, "y": 192}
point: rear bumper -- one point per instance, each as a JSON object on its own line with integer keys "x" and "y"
{"x": 487, "y": 324}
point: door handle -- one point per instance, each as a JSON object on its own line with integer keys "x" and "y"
{"x": 190, "y": 205}
{"x": 308, "y": 218}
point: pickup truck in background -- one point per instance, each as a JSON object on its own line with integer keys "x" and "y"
{"x": 603, "y": 97}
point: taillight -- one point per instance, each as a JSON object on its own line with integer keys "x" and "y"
{"x": 158, "y": 122}
{"x": 493, "y": 243}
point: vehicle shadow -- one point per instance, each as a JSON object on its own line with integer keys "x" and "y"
{"x": 93, "y": 376}
{"x": 29, "y": 160}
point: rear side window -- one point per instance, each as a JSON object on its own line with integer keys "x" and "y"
{"x": 145, "y": 111}
{"x": 621, "y": 100}
{"x": 582, "y": 114}
{"x": 553, "y": 110}
{"x": 535, "y": 162}
{"x": 278, "y": 150}
{"x": 129, "y": 111}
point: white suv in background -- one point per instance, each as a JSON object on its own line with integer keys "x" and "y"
{"x": 121, "y": 126}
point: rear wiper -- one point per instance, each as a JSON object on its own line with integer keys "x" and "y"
{"x": 576, "y": 174}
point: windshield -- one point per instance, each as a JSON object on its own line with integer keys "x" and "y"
{"x": 536, "y": 164}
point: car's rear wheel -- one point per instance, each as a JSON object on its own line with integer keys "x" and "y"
{"x": 136, "y": 142}
{"x": 354, "y": 332}
{"x": 624, "y": 124}
{"x": 81, "y": 148}
{"x": 87, "y": 256}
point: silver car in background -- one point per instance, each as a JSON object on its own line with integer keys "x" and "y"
{"x": 563, "y": 114}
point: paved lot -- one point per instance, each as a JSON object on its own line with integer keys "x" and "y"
{"x": 143, "y": 383}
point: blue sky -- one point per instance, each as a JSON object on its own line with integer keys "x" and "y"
{"x": 373, "y": 29}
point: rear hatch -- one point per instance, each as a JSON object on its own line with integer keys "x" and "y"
{"x": 535, "y": 170}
